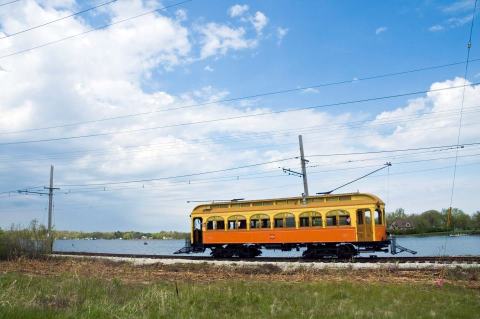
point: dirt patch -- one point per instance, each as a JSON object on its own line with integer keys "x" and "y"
{"x": 204, "y": 272}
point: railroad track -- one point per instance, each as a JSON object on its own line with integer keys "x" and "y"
{"x": 427, "y": 259}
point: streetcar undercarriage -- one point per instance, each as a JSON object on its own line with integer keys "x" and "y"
{"x": 312, "y": 251}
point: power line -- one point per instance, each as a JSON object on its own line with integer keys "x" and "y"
{"x": 242, "y": 97}
{"x": 200, "y": 182}
{"x": 7, "y": 3}
{"x": 98, "y": 158}
{"x": 92, "y": 30}
{"x": 243, "y": 177}
{"x": 209, "y": 141}
{"x": 269, "y": 171}
{"x": 179, "y": 176}
{"x": 253, "y": 165}
{"x": 262, "y": 135}
{"x": 469, "y": 45}
{"x": 234, "y": 117}
{"x": 395, "y": 151}
{"x": 56, "y": 20}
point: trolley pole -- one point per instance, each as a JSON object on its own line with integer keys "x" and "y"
{"x": 304, "y": 168}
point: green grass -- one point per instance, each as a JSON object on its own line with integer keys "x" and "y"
{"x": 23, "y": 296}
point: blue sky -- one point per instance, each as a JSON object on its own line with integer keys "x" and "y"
{"x": 211, "y": 51}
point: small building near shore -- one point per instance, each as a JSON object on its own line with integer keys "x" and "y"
{"x": 401, "y": 224}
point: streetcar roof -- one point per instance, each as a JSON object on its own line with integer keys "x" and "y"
{"x": 287, "y": 201}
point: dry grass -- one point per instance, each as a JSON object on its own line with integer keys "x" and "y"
{"x": 204, "y": 272}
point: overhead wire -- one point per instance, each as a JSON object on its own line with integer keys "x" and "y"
{"x": 228, "y": 178}
{"x": 237, "y": 177}
{"x": 104, "y": 26}
{"x": 280, "y": 133}
{"x": 290, "y": 90}
{"x": 251, "y": 165}
{"x": 392, "y": 151}
{"x": 56, "y": 20}
{"x": 310, "y": 131}
{"x": 248, "y": 176}
{"x": 244, "y": 176}
{"x": 9, "y": 2}
{"x": 378, "y": 98}
{"x": 465, "y": 78}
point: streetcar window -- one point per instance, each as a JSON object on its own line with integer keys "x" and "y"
{"x": 284, "y": 220}
{"x": 242, "y": 224}
{"x": 197, "y": 223}
{"x": 317, "y": 221}
{"x": 344, "y": 220}
{"x": 331, "y": 220}
{"x": 237, "y": 222}
{"x": 311, "y": 219}
{"x": 215, "y": 222}
{"x": 368, "y": 217}
{"x": 266, "y": 223}
{"x": 304, "y": 222}
{"x": 290, "y": 221}
{"x": 278, "y": 223}
{"x": 359, "y": 217}
{"x": 260, "y": 221}
{"x": 378, "y": 216}
{"x": 210, "y": 224}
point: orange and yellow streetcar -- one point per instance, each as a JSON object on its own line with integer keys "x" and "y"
{"x": 340, "y": 225}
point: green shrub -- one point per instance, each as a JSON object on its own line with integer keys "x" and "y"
{"x": 29, "y": 242}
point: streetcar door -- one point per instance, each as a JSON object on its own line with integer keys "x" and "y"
{"x": 197, "y": 232}
{"x": 368, "y": 225}
{"x": 360, "y": 225}
{"x": 364, "y": 225}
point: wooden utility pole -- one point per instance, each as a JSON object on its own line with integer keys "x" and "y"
{"x": 50, "y": 202}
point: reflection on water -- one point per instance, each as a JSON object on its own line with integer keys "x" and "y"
{"x": 425, "y": 246}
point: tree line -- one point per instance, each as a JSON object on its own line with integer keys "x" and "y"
{"x": 432, "y": 221}
{"x": 63, "y": 234}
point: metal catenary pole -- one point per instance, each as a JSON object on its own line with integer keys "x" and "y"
{"x": 304, "y": 168}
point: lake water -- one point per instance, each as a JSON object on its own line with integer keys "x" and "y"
{"x": 425, "y": 246}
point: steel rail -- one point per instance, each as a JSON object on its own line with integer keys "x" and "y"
{"x": 372, "y": 259}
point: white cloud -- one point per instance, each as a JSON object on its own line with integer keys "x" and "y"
{"x": 310, "y": 91}
{"x": 436, "y": 28}
{"x": 444, "y": 104}
{"x": 237, "y": 10}
{"x": 380, "y": 30}
{"x": 459, "y": 12}
{"x": 259, "y": 21}
{"x": 461, "y": 5}
{"x": 456, "y": 22}
{"x": 208, "y": 68}
{"x": 219, "y": 39}
{"x": 181, "y": 15}
{"x": 281, "y": 33}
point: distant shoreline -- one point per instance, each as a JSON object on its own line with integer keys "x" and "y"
{"x": 440, "y": 233}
